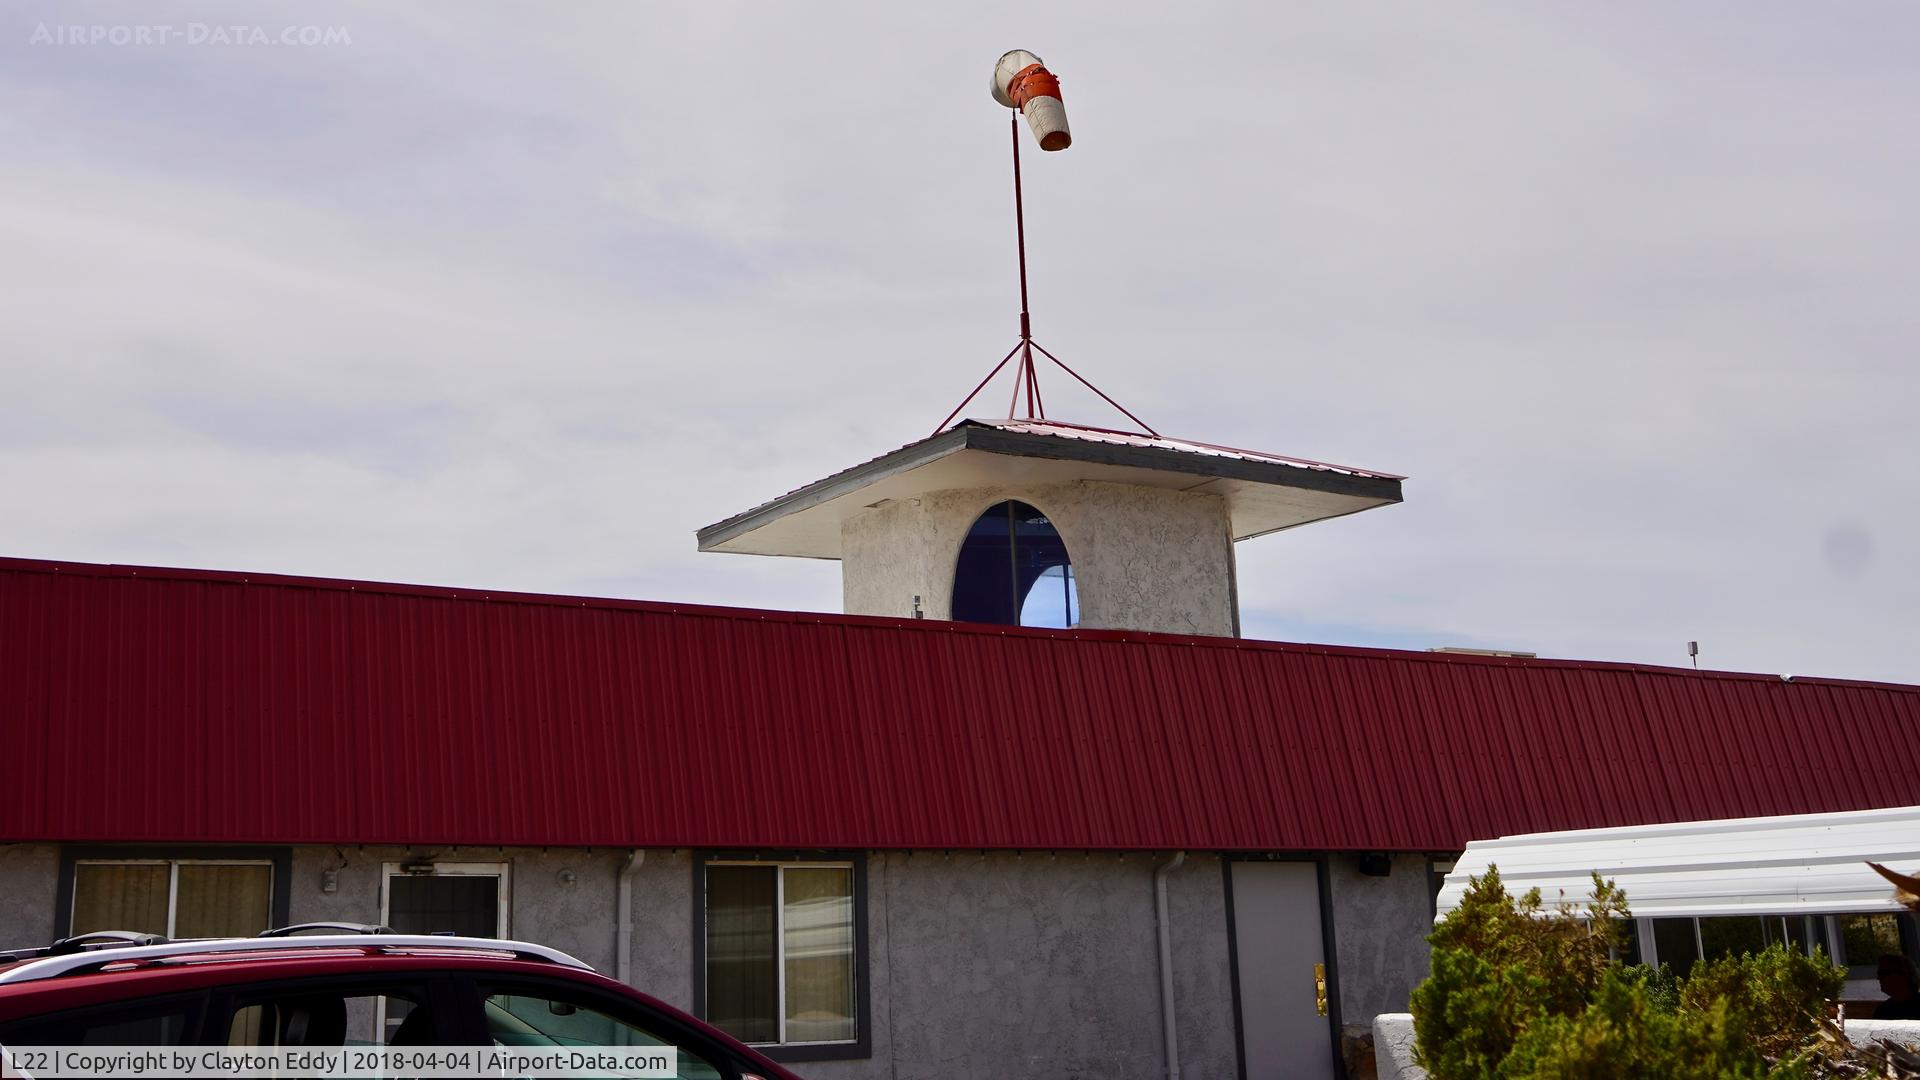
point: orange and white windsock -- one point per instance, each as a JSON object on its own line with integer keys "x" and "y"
{"x": 1021, "y": 81}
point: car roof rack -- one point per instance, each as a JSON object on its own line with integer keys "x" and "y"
{"x": 48, "y": 966}
{"x": 343, "y": 927}
{"x": 89, "y": 942}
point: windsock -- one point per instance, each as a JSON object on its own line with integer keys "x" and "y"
{"x": 1021, "y": 82}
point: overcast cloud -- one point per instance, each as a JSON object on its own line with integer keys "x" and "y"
{"x": 520, "y": 297}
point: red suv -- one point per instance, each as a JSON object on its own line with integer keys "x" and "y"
{"x": 368, "y": 988}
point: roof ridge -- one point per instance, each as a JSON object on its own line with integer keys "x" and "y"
{"x": 10, "y": 564}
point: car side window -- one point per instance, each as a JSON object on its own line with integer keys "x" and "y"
{"x": 387, "y": 1013}
{"x": 534, "y": 1015}
{"x": 329, "y": 1011}
{"x": 168, "y": 1021}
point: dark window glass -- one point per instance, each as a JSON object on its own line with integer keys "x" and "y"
{"x": 1866, "y": 937}
{"x": 156, "y": 1022}
{"x": 1014, "y": 570}
{"x": 436, "y": 903}
{"x": 1628, "y": 950}
{"x": 1673, "y": 944}
{"x": 534, "y": 1016}
{"x": 1808, "y": 932}
{"x": 1734, "y": 935}
{"x": 331, "y": 1014}
{"x": 742, "y": 963}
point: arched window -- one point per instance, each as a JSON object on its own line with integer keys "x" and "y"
{"x": 1014, "y": 570}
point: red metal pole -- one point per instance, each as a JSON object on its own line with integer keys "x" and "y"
{"x": 976, "y": 390}
{"x": 1020, "y": 229}
{"x": 1029, "y": 375}
{"x": 1095, "y": 389}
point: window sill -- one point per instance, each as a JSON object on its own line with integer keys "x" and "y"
{"x": 858, "y": 1050}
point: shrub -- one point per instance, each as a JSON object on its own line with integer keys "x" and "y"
{"x": 1517, "y": 992}
{"x": 1776, "y": 997}
{"x": 1499, "y": 965}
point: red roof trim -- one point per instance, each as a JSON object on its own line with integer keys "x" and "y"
{"x": 497, "y": 596}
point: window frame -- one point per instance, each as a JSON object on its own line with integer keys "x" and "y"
{"x": 279, "y": 861}
{"x": 502, "y": 894}
{"x": 1822, "y": 931}
{"x": 1072, "y": 607}
{"x": 861, "y": 1045}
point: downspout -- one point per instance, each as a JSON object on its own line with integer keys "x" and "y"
{"x": 1166, "y": 962}
{"x": 623, "y": 937}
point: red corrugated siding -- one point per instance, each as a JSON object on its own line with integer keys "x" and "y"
{"x": 160, "y": 705}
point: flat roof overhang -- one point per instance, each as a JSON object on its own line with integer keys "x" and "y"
{"x": 1264, "y": 494}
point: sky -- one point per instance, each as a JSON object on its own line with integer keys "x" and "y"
{"x": 518, "y": 297}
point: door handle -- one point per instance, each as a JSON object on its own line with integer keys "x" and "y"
{"x": 1320, "y": 989}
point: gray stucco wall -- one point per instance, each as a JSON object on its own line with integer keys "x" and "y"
{"x": 28, "y": 877}
{"x": 1380, "y": 934}
{"x": 1040, "y": 965}
{"x": 579, "y": 918}
{"x": 988, "y": 966}
{"x": 1144, "y": 558}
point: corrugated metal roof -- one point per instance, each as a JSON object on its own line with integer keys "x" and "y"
{"x": 140, "y": 704}
{"x": 1803, "y": 864}
{"x": 1083, "y": 433}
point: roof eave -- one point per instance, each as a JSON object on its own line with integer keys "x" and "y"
{"x": 1376, "y": 490}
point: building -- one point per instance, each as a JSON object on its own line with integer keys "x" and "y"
{"x": 1088, "y": 832}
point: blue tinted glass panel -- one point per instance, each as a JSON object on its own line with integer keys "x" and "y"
{"x": 1014, "y": 570}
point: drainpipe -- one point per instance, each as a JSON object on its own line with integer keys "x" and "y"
{"x": 623, "y": 937}
{"x": 1166, "y": 961}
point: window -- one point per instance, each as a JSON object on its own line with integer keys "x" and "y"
{"x": 331, "y": 1013}
{"x": 1682, "y": 942}
{"x": 1865, "y": 938}
{"x": 167, "y": 1021}
{"x": 536, "y": 1015}
{"x": 1014, "y": 570}
{"x": 468, "y": 899}
{"x": 782, "y": 960}
{"x": 174, "y": 897}
{"x": 425, "y": 897}
{"x": 1675, "y": 945}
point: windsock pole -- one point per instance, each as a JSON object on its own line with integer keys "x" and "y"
{"x": 1020, "y": 239}
{"x": 1022, "y": 83}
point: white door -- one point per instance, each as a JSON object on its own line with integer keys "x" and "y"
{"x": 1283, "y": 988}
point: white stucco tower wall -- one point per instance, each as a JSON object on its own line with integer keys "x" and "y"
{"x": 1149, "y": 522}
{"x": 1144, "y": 558}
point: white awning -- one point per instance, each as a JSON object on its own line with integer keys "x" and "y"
{"x": 1805, "y": 864}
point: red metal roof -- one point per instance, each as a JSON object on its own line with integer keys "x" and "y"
{"x": 167, "y": 705}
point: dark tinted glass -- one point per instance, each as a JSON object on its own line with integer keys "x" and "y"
{"x": 1674, "y": 944}
{"x": 432, "y": 904}
{"x": 1866, "y": 937}
{"x": 1628, "y": 949}
{"x": 153, "y": 1022}
{"x": 742, "y": 964}
{"x": 1808, "y": 932}
{"x": 536, "y": 1016}
{"x": 1734, "y": 935}
{"x": 1014, "y": 570}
